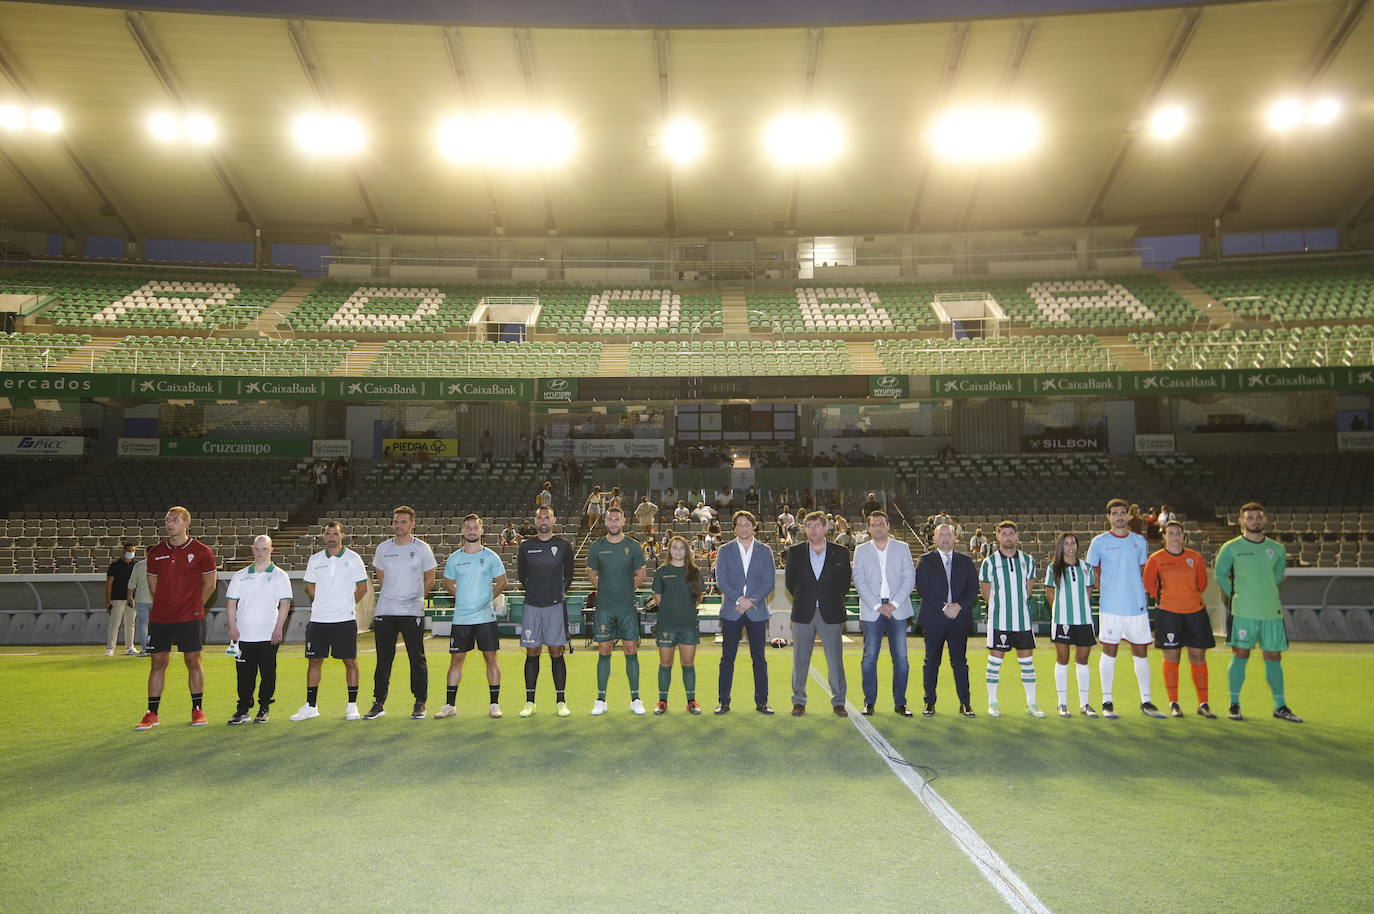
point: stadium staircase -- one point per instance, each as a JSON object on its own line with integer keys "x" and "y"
{"x": 864, "y": 357}
{"x": 82, "y": 358}
{"x": 276, "y": 313}
{"x": 1206, "y": 305}
{"x": 359, "y": 360}
{"x": 615, "y": 360}
{"x": 735, "y": 315}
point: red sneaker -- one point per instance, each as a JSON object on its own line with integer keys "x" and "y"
{"x": 198, "y": 718}
{"x": 693, "y": 707}
{"x": 148, "y": 722}
{"x": 661, "y": 707}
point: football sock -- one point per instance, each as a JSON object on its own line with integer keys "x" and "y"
{"x": 689, "y": 681}
{"x": 1028, "y": 678}
{"x": 1106, "y": 671}
{"x": 1082, "y": 670}
{"x": 1061, "y": 682}
{"x": 1171, "y": 679}
{"x": 531, "y": 676}
{"x": 1235, "y": 676}
{"x": 195, "y": 700}
{"x": 493, "y": 694}
{"x": 352, "y": 695}
{"x": 153, "y": 702}
{"x": 451, "y": 695}
{"x": 1273, "y": 671}
{"x": 632, "y": 674}
{"x": 1142, "y": 676}
{"x": 994, "y": 674}
{"x": 665, "y": 680}
{"x": 560, "y": 676}
{"x": 312, "y": 695}
{"x": 1199, "y": 671}
{"x": 603, "y": 675}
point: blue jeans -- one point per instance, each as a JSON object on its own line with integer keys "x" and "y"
{"x": 141, "y": 611}
{"x": 894, "y": 630}
{"x": 731, "y": 631}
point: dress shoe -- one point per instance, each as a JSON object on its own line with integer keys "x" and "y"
{"x": 723, "y": 708}
{"x": 840, "y": 711}
{"x": 966, "y": 711}
{"x": 868, "y": 711}
{"x": 798, "y": 710}
{"x": 928, "y": 710}
{"x": 763, "y": 709}
{"x": 903, "y": 710}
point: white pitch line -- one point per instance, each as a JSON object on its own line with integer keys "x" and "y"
{"x": 995, "y": 870}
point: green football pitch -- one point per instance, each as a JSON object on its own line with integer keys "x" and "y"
{"x": 739, "y": 812}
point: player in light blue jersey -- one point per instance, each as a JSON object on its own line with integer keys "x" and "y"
{"x": 1118, "y": 560}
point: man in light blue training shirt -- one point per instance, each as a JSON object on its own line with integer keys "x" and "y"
{"x": 475, "y": 576}
{"x": 1118, "y": 559}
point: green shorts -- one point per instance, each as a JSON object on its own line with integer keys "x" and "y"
{"x": 674, "y": 638}
{"x": 610, "y": 625}
{"x": 1245, "y": 633}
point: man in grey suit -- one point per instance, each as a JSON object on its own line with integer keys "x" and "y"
{"x": 817, "y": 576}
{"x": 884, "y": 575}
{"x": 745, "y": 574}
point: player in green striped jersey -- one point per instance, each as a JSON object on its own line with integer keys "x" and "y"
{"x": 1249, "y": 570}
{"x": 1068, "y": 582}
{"x": 1005, "y": 578}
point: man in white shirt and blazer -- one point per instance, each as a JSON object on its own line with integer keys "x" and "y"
{"x": 745, "y": 571}
{"x": 884, "y": 576}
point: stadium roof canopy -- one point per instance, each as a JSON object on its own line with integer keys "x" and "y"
{"x": 1092, "y": 78}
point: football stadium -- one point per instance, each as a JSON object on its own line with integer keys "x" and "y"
{"x": 418, "y": 419}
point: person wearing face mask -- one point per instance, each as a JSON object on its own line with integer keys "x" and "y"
{"x": 119, "y": 602}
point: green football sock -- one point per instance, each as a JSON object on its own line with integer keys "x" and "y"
{"x": 689, "y": 681}
{"x": 665, "y": 679}
{"x": 1235, "y": 676}
{"x": 1273, "y": 671}
{"x": 632, "y": 674}
{"x": 603, "y": 675}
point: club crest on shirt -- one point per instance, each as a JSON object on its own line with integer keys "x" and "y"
{"x": 1269, "y": 552}
{"x": 553, "y": 550}
{"x": 1190, "y": 563}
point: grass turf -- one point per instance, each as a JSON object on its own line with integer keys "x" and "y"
{"x": 654, "y": 813}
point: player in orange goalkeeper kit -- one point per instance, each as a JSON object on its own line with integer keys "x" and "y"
{"x": 1176, "y": 577}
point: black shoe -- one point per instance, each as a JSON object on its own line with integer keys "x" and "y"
{"x": 798, "y": 710}
{"x": 1205, "y": 710}
{"x": 763, "y": 709}
{"x": 240, "y": 717}
{"x": 261, "y": 716}
{"x": 722, "y": 708}
{"x": 1233, "y": 712}
{"x": 868, "y": 711}
{"x": 1149, "y": 710}
{"x": 903, "y": 711}
{"x": 1109, "y": 710}
{"x": 1175, "y": 709}
{"x": 840, "y": 711}
{"x": 1286, "y": 713}
{"x": 376, "y": 711}
{"x": 929, "y": 709}
{"x": 966, "y": 711}
{"x": 418, "y": 712}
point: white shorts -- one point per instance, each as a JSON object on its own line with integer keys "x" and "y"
{"x": 1114, "y": 629}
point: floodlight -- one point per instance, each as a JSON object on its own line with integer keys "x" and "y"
{"x": 1285, "y": 114}
{"x": 507, "y": 140}
{"x": 1323, "y": 111}
{"x": 199, "y": 128}
{"x": 46, "y": 120}
{"x": 12, "y": 118}
{"x": 165, "y": 127}
{"x": 1168, "y": 122}
{"x": 682, "y": 141}
{"x": 984, "y": 134}
{"x": 794, "y": 140}
{"x": 328, "y": 134}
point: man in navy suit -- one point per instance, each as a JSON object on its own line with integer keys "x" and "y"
{"x": 744, "y": 573}
{"x": 817, "y": 575}
{"x": 948, "y": 585}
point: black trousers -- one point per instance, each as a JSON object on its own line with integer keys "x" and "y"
{"x": 954, "y": 635}
{"x": 256, "y": 657}
{"x": 757, "y": 631}
{"x": 412, "y": 629}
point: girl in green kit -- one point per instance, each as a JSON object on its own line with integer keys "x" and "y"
{"x": 677, "y": 588}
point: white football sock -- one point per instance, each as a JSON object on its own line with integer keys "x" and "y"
{"x": 1106, "y": 671}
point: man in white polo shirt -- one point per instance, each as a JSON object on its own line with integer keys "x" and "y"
{"x": 405, "y": 568}
{"x": 335, "y": 580}
{"x": 258, "y": 601}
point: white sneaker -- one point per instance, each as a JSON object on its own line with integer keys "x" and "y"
{"x": 598, "y": 708}
{"x": 637, "y": 706}
{"x": 351, "y": 711}
{"x": 131, "y": 653}
{"x": 446, "y": 711}
{"x": 494, "y": 710}
{"x": 527, "y": 710}
{"x": 306, "y": 712}
{"x": 1034, "y": 711}
{"x": 1064, "y": 711}
{"x": 563, "y": 709}
{"x": 993, "y": 710}
{"x": 109, "y": 652}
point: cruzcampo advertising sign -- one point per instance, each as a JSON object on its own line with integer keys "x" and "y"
{"x": 235, "y": 447}
{"x": 889, "y": 387}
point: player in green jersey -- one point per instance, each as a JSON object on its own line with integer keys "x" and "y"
{"x": 615, "y": 567}
{"x": 677, "y": 588}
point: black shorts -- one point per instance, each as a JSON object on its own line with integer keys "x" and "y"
{"x": 1080, "y": 635}
{"x": 185, "y": 635}
{"x": 1176, "y": 630}
{"x": 339, "y": 639}
{"x": 999, "y": 640}
{"x": 484, "y": 636}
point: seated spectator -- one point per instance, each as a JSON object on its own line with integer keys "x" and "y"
{"x": 509, "y": 537}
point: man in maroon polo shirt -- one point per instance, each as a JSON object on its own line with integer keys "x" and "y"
{"x": 181, "y": 576}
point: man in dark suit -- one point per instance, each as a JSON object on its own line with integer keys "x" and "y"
{"x": 948, "y": 584}
{"x": 817, "y": 576}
